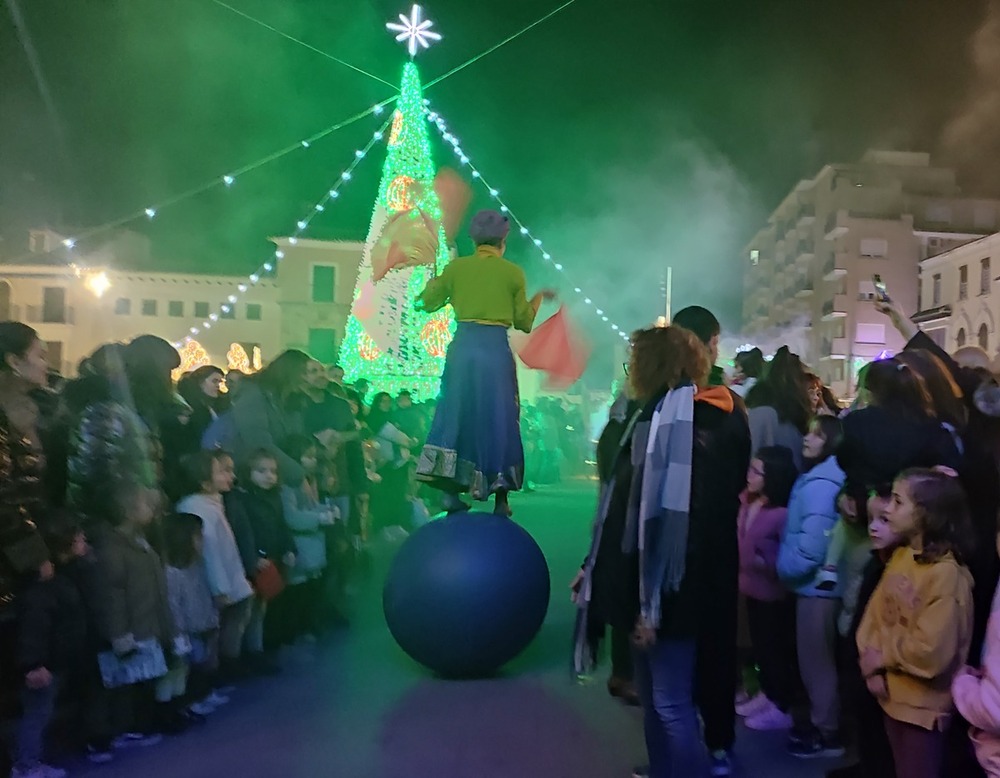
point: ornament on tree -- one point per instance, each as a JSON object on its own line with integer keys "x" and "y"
{"x": 368, "y": 350}
{"x": 397, "y": 127}
{"x": 403, "y": 193}
{"x": 436, "y": 335}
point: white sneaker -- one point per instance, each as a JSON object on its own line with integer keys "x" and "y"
{"x": 755, "y": 704}
{"x": 769, "y": 719}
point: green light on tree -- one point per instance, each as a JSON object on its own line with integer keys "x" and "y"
{"x": 388, "y": 341}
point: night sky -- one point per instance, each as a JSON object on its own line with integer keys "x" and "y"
{"x": 628, "y": 135}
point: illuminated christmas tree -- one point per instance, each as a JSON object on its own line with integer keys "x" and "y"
{"x": 388, "y": 341}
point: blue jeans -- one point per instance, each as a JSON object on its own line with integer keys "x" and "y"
{"x": 664, "y": 679}
{"x": 38, "y": 706}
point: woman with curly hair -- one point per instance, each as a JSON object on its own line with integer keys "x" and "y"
{"x": 665, "y": 529}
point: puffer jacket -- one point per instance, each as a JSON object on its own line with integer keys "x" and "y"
{"x": 812, "y": 514}
{"x": 304, "y": 517}
{"x": 22, "y": 489}
{"x": 110, "y": 444}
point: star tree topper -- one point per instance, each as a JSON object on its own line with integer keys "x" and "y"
{"x": 415, "y": 30}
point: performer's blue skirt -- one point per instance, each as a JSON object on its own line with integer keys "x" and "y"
{"x": 474, "y": 444}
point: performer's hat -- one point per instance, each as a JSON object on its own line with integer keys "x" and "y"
{"x": 488, "y": 226}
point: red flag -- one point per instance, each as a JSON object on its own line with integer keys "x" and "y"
{"x": 410, "y": 238}
{"x": 454, "y": 195}
{"x": 556, "y": 348}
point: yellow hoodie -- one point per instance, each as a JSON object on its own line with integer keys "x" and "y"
{"x": 920, "y": 618}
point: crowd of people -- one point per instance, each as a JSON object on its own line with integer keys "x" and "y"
{"x": 821, "y": 570}
{"x": 760, "y": 551}
{"x": 160, "y": 541}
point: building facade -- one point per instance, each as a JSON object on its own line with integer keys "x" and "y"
{"x": 812, "y": 266}
{"x": 78, "y": 303}
{"x": 958, "y": 307}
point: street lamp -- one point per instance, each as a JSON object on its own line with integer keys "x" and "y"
{"x": 98, "y": 283}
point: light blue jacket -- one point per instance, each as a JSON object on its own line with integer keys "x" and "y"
{"x": 812, "y": 514}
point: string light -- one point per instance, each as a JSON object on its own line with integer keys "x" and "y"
{"x": 438, "y": 121}
{"x": 301, "y": 225}
{"x": 228, "y": 180}
{"x": 150, "y": 212}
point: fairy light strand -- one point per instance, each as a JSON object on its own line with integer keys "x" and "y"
{"x": 537, "y": 242}
{"x": 301, "y": 225}
{"x": 227, "y": 180}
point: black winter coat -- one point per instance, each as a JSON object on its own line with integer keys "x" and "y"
{"x": 53, "y": 626}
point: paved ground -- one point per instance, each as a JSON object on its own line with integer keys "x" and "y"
{"x": 356, "y": 707}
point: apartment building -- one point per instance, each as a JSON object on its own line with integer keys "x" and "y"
{"x": 958, "y": 307}
{"x": 811, "y": 266}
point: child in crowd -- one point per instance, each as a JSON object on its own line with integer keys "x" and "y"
{"x": 307, "y": 518}
{"x": 915, "y": 633}
{"x": 812, "y": 514}
{"x": 51, "y": 640}
{"x": 770, "y": 608}
{"x": 275, "y": 546}
{"x": 212, "y": 471}
{"x": 339, "y": 550}
{"x": 138, "y": 619}
{"x": 874, "y": 753}
{"x": 977, "y": 695}
{"x": 850, "y": 536}
{"x": 195, "y": 617}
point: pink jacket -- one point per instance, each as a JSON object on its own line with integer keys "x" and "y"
{"x": 759, "y": 541}
{"x": 978, "y": 698}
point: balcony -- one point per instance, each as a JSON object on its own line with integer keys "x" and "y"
{"x": 834, "y": 268}
{"x": 833, "y": 348}
{"x": 835, "y": 226}
{"x": 835, "y": 308}
{"x": 806, "y": 253}
{"x": 805, "y": 291}
{"x": 807, "y": 215}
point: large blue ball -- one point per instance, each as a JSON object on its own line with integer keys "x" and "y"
{"x": 466, "y": 594}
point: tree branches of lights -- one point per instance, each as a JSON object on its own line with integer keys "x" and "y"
{"x": 464, "y": 159}
{"x": 269, "y": 266}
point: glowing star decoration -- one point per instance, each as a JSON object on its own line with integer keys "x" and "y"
{"x": 193, "y": 356}
{"x": 415, "y": 30}
{"x": 400, "y": 196}
{"x": 397, "y": 127}
{"x": 436, "y": 336}
{"x": 367, "y": 349}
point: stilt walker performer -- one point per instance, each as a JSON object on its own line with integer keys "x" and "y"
{"x": 474, "y": 445}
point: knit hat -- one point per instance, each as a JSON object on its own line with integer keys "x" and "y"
{"x": 488, "y": 226}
